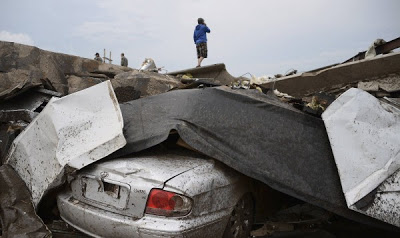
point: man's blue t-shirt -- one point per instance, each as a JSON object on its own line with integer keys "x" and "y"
{"x": 199, "y": 34}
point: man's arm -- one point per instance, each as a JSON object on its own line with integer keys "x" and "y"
{"x": 207, "y": 29}
{"x": 194, "y": 36}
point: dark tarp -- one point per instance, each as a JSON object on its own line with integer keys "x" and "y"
{"x": 251, "y": 132}
{"x": 18, "y": 217}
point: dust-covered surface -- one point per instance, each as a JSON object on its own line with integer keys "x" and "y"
{"x": 384, "y": 202}
{"x": 363, "y": 133}
{"x": 256, "y": 134}
{"x": 75, "y": 130}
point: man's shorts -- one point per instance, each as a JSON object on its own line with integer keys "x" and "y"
{"x": 201, "y": 50}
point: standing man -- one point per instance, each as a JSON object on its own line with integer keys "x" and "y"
{"x": 98, "y": 58}
{"x": 200, "y": 39}
{"x": 124, "y": 60}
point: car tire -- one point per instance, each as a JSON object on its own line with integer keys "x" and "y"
{"x": 241, "y": 219}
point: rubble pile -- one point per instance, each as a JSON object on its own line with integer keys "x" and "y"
{"x": 23, "y": 67}
{"x": 29, "y": 77}
{"x": 379, "y": 75}
{"x": 324, "y": 137}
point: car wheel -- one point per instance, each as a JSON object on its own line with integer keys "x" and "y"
{"x": 241, "y": 219}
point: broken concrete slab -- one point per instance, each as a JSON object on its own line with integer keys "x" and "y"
{"x": 17, "y": 214}
{"x": 363, "y": 133}
{"x": 128, "y": 85}
{"x": 338, "y": 76}
{"x": 217, "y": 73}
{"x": 18, "y": 81}
{"x": 76, "y": 83}
{"x": 50, "y": 65}
{"x": 144, "y": 83}
{"x": 368, "y": 86}
{"x": 389, "y": 83}
{"x": 22, "y": 66}
{"x": 73, "y": 131}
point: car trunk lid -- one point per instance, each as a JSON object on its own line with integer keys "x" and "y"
{"x": 122, "y": 185}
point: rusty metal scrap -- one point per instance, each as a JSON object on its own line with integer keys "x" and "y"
{"x": 380, "y": 49}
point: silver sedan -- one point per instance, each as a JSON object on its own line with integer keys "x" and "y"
{"x": 158, "y": 194}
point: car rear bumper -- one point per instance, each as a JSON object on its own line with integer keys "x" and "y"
{"x": 100, "y": 223}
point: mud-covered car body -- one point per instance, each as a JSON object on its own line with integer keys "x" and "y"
{"x": 113, "y": 198}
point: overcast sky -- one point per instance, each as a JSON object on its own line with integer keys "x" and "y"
{"x": 257, "y": 36}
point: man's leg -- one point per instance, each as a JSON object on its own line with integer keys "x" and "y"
{"x": 199, "y": 61}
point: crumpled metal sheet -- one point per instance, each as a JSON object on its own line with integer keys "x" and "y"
{"x": 17, "y": 214}
{"x": 365, "y": 140}
{"x": 75, "y": 131}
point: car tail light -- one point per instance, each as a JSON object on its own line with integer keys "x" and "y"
{"x": 165, "y": 203}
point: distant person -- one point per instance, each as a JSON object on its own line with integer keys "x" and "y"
{"x": 200, "y": 39}
{"x": 124, "y": 60}
{"x": 98, "y": 58}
